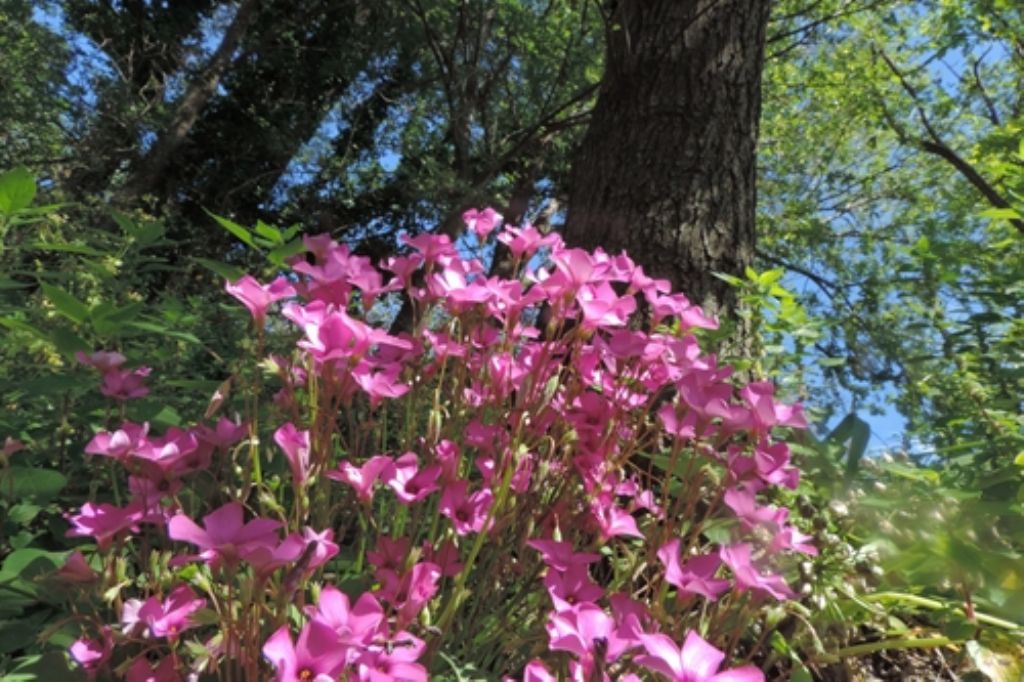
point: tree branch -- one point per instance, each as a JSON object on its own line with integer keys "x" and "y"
{"x": 200, "y": 91}
{"x": 934, "y": 144}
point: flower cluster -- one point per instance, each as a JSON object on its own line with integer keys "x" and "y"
{"x": 118, "y": 383}
{"x": 543, "y": 475}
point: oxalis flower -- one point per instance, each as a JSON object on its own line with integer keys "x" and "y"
{"x": 748, "y": 577}
{"x": 295, "y": 445}
{"x": 314, "y": 657}
{"x": 167, "y": 618}
{"x": 90, "y": 654}
{"x": 696, "y": 661}
{"x": 355, "y": 625}
{"x": 258, "y": 297}
{"x": 225, "y": 537}
{"x": 696, "y": 576}
{"x": 142, "y": 671}
{"x": 125, "y": 384}
{"x": 588, "y": 632}
{"x": 363, "y": 478}
{"x": 468, "y": 512}
{"x": 104, "y": 522}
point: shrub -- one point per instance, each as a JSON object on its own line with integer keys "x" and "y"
{"x": 545, "y": 477}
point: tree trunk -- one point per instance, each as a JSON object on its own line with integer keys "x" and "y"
{"x": 151, "y": 167}
{"x": 667, "y": 168}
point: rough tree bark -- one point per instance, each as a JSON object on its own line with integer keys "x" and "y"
{"x": 667, "y": 167}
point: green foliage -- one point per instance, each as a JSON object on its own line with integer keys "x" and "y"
{"x": 67, "y": 289}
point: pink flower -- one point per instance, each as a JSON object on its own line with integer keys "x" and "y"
{"x": 90, "y": 654}
{"x": 766, "y": 413}
{"x": 312, "y": 548}
{"x": 430, "y": 246}
{"x": 390, "y": 554}
{"x": 410, "y": 592}
{"x": 410, "y": 483}
{"x": 335, "y": 335}
{"x": 393, "y": 659}
{"x": 125, "y": 384}
{"x": 320, "y": 546}
{"x": 104, "y": 361}
{"x": 613, "y": 522}
{"x": 696, "y": 661}
{"x": 572, "y": 587}
{"x": 559, "y": 555}
{"x": 748, "y": 577}
{"x": 526, "y": 240}
{"x": 404, "y": 267}
{"x": 170, "y": 617}
{"x": 446, "y": 557}
{"x": 696, "y": 576}
{"x": 119, "y": 444}
{"x": 258, "y": 297}
{"x": 225, "y": 536}
{"x": 141, "y": 671}
{"x": 772, "y": 465}
{"x": 355, "y": 625}
{"x": 11, "y": 445}
{"x": 77, "y": 570}
{"x": 104, "y": 522}
{"x": 588, "y": 632}
{"x": 295, "y": 445}
{"x": 177, "y": 453}
{"x": 451, "y": 284}
{"x": 771, "y": 520}
{"x": 315, "y": 657}
{"x": 361, "y": 478}
{"x": 678, "y": 306}
{"x": 225, "y": 434}
{"x": 602, "y": 307}
{"x": 380, "y": 384}
{"x": 468, "y": 513}
{"x": 536, "y": 671}
{"x": 481, "y": 222}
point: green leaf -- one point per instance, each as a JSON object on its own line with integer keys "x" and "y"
{"x": 1001, "y": 214}
{"x": 16, "y": 635}
{"x": 48, "y": 667}
{"x": 268, "y": 232}
{"x": 66, "y": 304}
{"x": 228, "y": 272}
{"x": 911, "y": 473}
{"x": 244, "y": 235}
{"x": 18, "y": 325}
{"x": 7, "y": 284}
{"x": 66, "y": 248}
{"x": 68, "y": 342}
{"x": 282, "y": 253}
{"x": 857, "y": 432}
{"x": 164, "y": 331}
{"x": 165, "y": 417}
{"x": 21, "y": 483}
{"x": 769, "y": 277}
{"x": 31, "y": 562}
{"x": 23, "y": 514}
{"x": 17, "y": 190}
{"x": 110, "y": 312}
{"x": 800, "y": 673}
{"x": 728, "y": 279}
